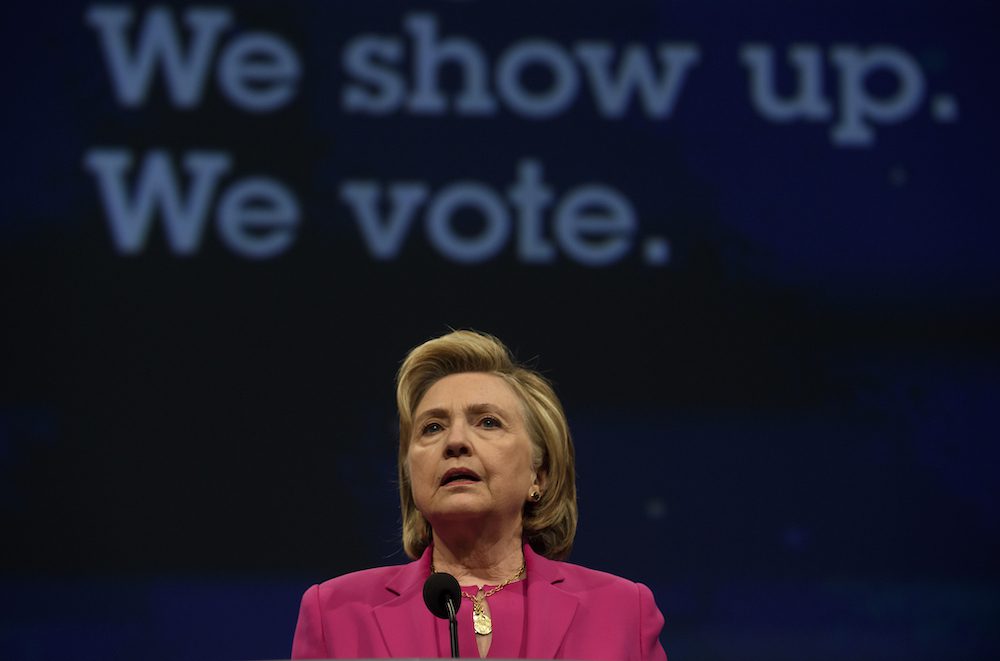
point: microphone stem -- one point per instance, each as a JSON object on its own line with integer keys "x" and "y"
{"x": 452, "y": 626}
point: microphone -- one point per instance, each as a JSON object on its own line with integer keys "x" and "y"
{"x": 443, "y": 597}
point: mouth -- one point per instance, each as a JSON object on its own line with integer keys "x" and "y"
{"x": 459, "y": 476}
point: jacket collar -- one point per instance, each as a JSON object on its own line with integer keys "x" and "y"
{"x": 407, "y": 627}
{"x": 549, "y": 608}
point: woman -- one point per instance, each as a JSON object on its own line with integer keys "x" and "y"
{"x": 488, "y": 494}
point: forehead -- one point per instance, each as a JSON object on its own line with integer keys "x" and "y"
{"x": 465, "y": 388}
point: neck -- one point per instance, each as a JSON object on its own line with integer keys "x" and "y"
{"x": 478, "y": 562}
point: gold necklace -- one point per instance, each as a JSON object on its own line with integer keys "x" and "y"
{"x": 482, "y": 622}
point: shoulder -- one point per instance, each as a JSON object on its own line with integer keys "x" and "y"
{"x": 569, "y": 574}
{"x": 624, "y": 611}
{"x": 593, "y": 579}
{"x": 361, "y": 589}
{"x": 558, "y": 571}
{"x": 577, "y": 578}
{"x": 607, "y": 598}
{"x": 370, "y": 587}
{"x": 340, "y": 604}
{"x": 358, "y": 586}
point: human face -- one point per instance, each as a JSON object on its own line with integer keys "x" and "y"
{"x": 470, "y": 454}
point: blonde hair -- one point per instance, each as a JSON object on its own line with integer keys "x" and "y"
{"x": 549, "y": 524}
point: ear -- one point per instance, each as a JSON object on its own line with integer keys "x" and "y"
{"x": 539, "y": 479}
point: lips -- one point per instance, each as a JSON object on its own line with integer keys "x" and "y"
{"x": 459, "y": 475}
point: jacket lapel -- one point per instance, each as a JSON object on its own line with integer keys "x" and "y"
{"x": 550, "y": 610}
{"x": 407, "y": 627}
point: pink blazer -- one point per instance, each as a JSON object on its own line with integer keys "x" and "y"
{"x": 578, "y": 613}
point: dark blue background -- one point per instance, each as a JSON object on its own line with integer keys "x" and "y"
{"x": 787, "y": 431}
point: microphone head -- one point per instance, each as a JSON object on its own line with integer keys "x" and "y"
{"x": 438, "y": 589}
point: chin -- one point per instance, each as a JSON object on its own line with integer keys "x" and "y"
{"x": 461, "y": 508}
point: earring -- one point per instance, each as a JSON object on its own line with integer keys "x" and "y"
{"x": 535, "y": 496}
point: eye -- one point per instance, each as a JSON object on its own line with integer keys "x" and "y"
{"x": 432, "y": 428}
{"x": 490, "y": 422}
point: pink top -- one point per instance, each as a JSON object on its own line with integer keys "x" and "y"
{"x": 565, "y": 612}
{"x": 507, "y": 612}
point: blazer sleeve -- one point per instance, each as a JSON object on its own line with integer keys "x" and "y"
{"x": 650, "y": 626}
{"x": 309, "y": 641}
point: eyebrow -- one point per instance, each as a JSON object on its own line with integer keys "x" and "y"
{"x": 441, "y": 412}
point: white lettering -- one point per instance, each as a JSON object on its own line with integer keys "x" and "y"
{"x": 595, "y": 224}
{"x": 635, "y": 72}
{"x": 258, "y": 72}
{"x": 361, "y": 59}
{"x": 537, "y": 105}
{"x": 257, "y": 217}
{"x": 530, "y": 196}
{"x": 383, "y": 237}
{"x": 156, "y": 189}
{"x": 471, "y": 249}
{"x": 534, "y": 78}
{"x": 430, "y": 54}
{"x": 808, "y": 102}
{"x": 857, "y": 105}
{"x": 158, "y": 44}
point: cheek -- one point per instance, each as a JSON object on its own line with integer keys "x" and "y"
{"x": 418, "y": 480}
{"x": 412, "y": 467}
{"x": 418, "y": 466}
{"x": 524, "y": 466}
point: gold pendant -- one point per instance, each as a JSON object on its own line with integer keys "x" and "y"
{"x": 481, "y": 622}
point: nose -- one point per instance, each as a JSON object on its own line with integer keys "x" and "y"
{"x": 456, "y": 443}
